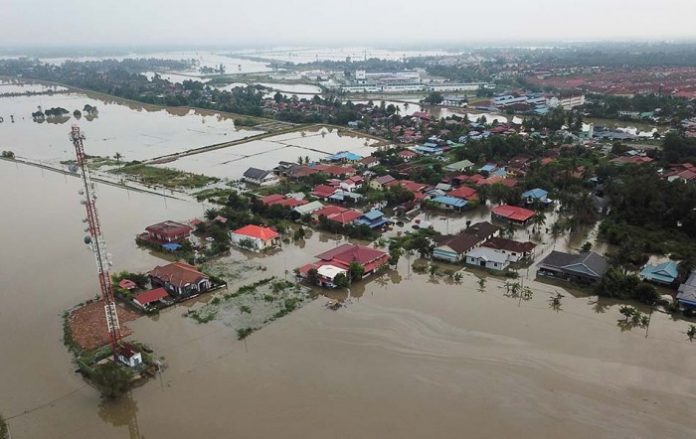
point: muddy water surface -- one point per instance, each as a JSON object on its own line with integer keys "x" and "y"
{"x": 410, "y": 356}
{"x": 136, "y": 131}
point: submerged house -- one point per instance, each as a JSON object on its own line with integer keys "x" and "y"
{"x": 180, "y": 279}
{"x": 513, "y": 250}
{"x": 255, "y": 238}
{"x": 512, "y": 214}
{"x": 663, "y": 274}
{"x": 374, "y": 219}
{"x": 453, "y": 248}
{"x": 686, "y": 296}
{"x": 338, "y": 260}
{"x": 168, "y": 231}
{"x": 148, "y": 299}
{"x": 486, "y": 257}
{"x": 259, "y": 177}
{"x": 584, "y": 267}
{"x": 447, "y": 202}
{"x": 129, "y": 355}
{"x": 536, "y": 196}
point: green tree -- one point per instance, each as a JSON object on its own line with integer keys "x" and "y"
{"x": 313, "y": 276}
{"x": 112, "y": 379}
{"x": 4, "y": 429}
{"x": 341, "y": 281}
{"x": 355, "y": 270}
{"x": 118, "y": 157}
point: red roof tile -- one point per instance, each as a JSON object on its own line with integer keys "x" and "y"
{"x": 151, "y": 296}
{"x": 258, "y": 232}
{"x": 513, "y": 212}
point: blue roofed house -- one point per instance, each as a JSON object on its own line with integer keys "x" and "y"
{"x": 687, "y": 292}
{"x": 345, "y": 156}
{"x": 535, "y": 195}
{"x": 665, "y": 273}
{"x": 450, "y": 202}
{"x": 490, "y": 167}
{"x": 500, "y": 172}
{"x": 373, "y": 219}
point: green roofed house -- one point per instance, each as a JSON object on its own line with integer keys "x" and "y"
{"x": 459, "y": 166}
{"x": 663, "y": 274}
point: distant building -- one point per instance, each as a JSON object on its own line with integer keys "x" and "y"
{"x": 515, "y": 251}
{"x": 147, "y": 299}
{"x": 260, "y": 177}
{"x": 535, "y": 196}
{"x": 128, "y": 355}
{"x": 461, "y": 166}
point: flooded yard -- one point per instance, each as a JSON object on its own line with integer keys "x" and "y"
{"x": 231, "y": 162}
{"x": 135, "y": 131}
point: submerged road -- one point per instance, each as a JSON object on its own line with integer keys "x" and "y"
{"x": 172, "y": 157}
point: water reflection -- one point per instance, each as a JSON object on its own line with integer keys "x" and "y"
{"x": 122, "y": 412}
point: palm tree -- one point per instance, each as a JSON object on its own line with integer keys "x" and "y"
{"x": 539, "y": 220}
{"x": 118, "y": 156}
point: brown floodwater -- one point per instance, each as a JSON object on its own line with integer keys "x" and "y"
{"x": 136, "y": 131}
{"x": 409, "y": 356}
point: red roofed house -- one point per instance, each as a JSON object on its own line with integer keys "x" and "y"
{"x": 407, "y": 155}
{"x": 255, "y": 237}
{"x": 280, "y": 200}
{"x": 334, "y": 170}
{"x": 127, "y": 284}
{"x": 168, "y": 231}
{"x": 464, "y": 192}
{"x": 323, "y": 191}
{"x": 512, "y": 214}
{"x": 412, "y": 186}
{"x": 338, "y": 260}
{"x": 147, "y": 299}
{"x": 180, "y": 279}
{"x": 337, "y": 214}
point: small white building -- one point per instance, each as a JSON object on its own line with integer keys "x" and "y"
{"x": 255, "y": 238}
{"x": 487, "y": 258}
{"x": 128, "y": 355}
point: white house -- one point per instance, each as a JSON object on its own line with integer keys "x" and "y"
{"x": 255, "y": 238}
{"x": 485, "y": 257}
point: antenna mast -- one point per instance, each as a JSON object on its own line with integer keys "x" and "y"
{"x": 96, "y": 240}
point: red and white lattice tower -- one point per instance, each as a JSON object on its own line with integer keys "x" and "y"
{"x": 96, "y": 240}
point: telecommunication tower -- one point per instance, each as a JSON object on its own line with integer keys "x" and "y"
{"x": 96, "y": 240}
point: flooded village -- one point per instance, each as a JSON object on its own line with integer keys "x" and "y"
{"x": 415, "y": 269}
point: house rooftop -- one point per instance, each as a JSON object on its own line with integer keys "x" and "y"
{"x": 258, "y": 232}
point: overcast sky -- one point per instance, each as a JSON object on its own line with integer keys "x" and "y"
{"x": 372, "y": 22}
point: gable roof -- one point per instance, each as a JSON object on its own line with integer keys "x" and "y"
{"x": 177, "y": 273}
{"x": 385, "y": 179}
{"x": 513, "y": 212}
{"x": 258, "y": 232}
{"x": 169, "y": 227}
{"x": 509, "y": 245}
{"x": 588, "y": 264}
{"x": 450, "y": 201}
{"x": 464, "y": 192}
{"x": 151, "y": 296}
{"x": 255, "y": 173}
{"x": 348, "y": 253}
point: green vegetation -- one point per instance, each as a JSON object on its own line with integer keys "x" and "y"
{"x": 617, "y": 284}
{"x": 169, "y": 178}
{"x": 4, "y": 429}
{"x": 7, "y": 155}
{"x": 112, "y": 379}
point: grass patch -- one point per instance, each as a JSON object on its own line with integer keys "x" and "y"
{"x": 170, "y": 178}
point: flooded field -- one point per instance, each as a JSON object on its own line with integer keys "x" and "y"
{"x": 136, "y": 131}
{"x": 410, "y": 356}
{"x": 15, "y": 87}
{"x": 231, "y": 162}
